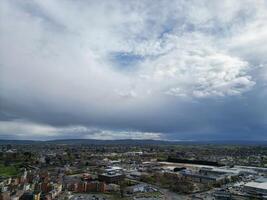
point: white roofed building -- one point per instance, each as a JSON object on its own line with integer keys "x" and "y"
{"x": 256, "y": 188}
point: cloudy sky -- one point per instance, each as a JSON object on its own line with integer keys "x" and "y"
{"x": 142, "y": 69}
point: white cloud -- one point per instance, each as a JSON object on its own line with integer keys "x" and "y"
{"x": 194, "y": 67}
{"x": 66, "y": 47}
{"x": 28, "y": 130}
{"x": 23, "y": 129}
{"x": 55, "y": 56}
{"x": 118, "y": 135}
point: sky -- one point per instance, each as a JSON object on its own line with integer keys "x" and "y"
{"x": 142, "y": 69}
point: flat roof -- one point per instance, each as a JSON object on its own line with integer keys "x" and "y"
{"x": 203, "y": 176}
{"x": 225, "y": 170}
{"x": 113, "y": 168}
{"x": 111, "y": 175}
{"x": 261, "y": 180}
{"x": 257, "y": 185}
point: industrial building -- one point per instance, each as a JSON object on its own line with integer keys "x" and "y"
{"x": 257, "y": 187}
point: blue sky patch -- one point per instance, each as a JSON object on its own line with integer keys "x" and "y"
{"x": 126, "y": 61}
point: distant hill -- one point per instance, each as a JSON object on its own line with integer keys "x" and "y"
{"x": 109, "y": 142}
{"x": 88, "y": 141}
{"x": 19, "y": 142}
{"x": 133, "y": 142}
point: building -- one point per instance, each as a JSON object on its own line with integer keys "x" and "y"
{"x": 113, "y": 169}
{"x": 96, "y": 186}
{"x": 26, "y": 187}
{"x": 82, "y": 187}
{"x": 195, "y": 177}
{"x": 210, "y": 174}
{"x": 112, "y": 187}
{"x": 256, "y": 188}
{"x": 27, "y": 196}
{"x": 136, "y": 188}
{"x": 5, "y": 196}
{"x": 111, "y": 177}
{"x": 45, "y": 187}
{"x": 215, "y": 171}
{"x": 37, "y": 195}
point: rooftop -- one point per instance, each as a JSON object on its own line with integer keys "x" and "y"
{"x": 257, "y": 185}
{"x": 111, "y": 175}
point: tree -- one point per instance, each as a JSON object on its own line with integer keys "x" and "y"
{"x": 183, "y": 187}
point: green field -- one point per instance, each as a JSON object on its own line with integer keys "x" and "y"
{"x": 8, "y": 170}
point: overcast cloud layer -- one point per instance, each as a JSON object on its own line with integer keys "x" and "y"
{"x": 143, "y": 69}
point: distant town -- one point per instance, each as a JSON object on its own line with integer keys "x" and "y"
{"x": 131, "y": 170}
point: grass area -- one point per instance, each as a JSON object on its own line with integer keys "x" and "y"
{"x": 150, "y": 194}
{"x": 8, "y": 170}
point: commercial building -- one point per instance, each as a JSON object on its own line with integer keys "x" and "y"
{"x": 256, "y": 188}
{"x": 111, "y": 177}
{"x": 195, "y": 177}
